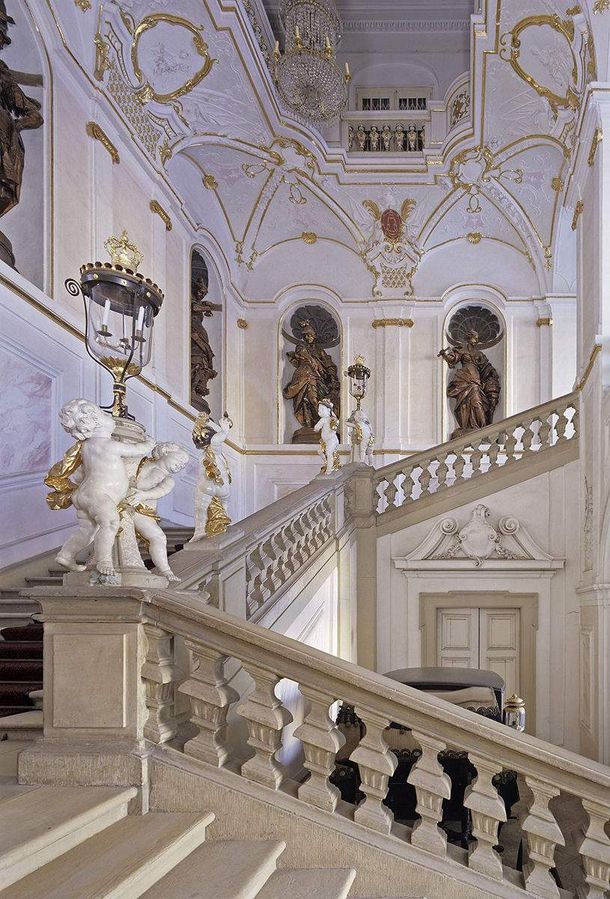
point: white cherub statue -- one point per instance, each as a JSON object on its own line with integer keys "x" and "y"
{"x": 153, "y": 480}
{"x": 214, "y": 485}
{"x": 329, "y": 441}
{"x": 101, "y": 483}
{"x": 362, "y": 437}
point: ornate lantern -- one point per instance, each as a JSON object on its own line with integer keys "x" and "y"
{"x": 358, "y": 375}
{"x": 514, "y": 713}
{"x": 120, "y": 307}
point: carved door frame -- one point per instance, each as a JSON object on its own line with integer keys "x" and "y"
{"x": 526, "y": 603}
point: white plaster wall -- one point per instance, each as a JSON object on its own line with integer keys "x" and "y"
{"x": 545, "y": 506}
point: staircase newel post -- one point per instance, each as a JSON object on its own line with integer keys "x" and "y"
{"x": 487, "y": 811}
{"x": 361, "y": 509}
{"x": 432, "y": 786}
{"x": 377, "y": 763}
{"x": 543, "y": 834}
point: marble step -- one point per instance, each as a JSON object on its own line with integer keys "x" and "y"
{"x": 123, "y": 860}
{"x": 46, "y": 581}
{"x": 228, "y": 869}
{"x": 308, "y": 883}
{"x": 22, "y": 725}
{"x": 20, "y": 649}
{"x": 40, "y": 825}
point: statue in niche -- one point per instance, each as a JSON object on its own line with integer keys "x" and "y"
{"x": 202, "y": 354}
{"x": 315, "y": 376}
{"x": 18, "y": 112}
{"x": 475, "y": 387}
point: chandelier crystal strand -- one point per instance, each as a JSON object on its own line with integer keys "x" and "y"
{"x": 306, "y": 75}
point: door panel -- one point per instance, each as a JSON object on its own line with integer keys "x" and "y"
{"x": 458, "y": 638}
{"x": 499, "y": 648}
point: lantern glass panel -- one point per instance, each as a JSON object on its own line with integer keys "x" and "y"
{"x": 119, "y": 328}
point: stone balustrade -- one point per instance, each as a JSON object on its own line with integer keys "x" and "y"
{"x": 519, "y": 440}
{"x": 147, "y": 684}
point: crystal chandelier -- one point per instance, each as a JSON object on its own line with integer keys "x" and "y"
{"x": 306, "y": 74}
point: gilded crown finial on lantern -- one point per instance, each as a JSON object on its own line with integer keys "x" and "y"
{"x": 359, "y": 359}
{"x": 124, "y": 253}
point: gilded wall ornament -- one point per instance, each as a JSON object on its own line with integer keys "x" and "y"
{"x": 601, "y": 6}
{"x": 392, "y": 323}
{"x": 309, "y": 237}
{"x": 598, "y": 136}
{"x": 391, "y": 253}
{"x": 96, "y": 132}
{"x": 209, "y": 181}
{"x": 156, "y": 207}
{"x": 577, "y": 213}
{"x": 146, "y": 91}
{"x": 474, "y": 237}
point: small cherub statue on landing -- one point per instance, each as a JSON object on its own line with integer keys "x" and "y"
{"x": 329, "y": 441}
{"x": 154, "y": 480}
{"x": 362, "y": 437}
{"x": 101, "y": 484}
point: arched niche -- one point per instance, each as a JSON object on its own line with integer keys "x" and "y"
{"x": 206, "y": 344}
{"x": 309, "y": 330}
{"x": 477, "y": 311}
{"x": 25, "y": 224}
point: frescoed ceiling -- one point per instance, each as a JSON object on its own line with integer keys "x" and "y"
{"x": 190, "y": 80}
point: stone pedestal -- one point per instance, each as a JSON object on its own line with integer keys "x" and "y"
{"x": 94, "y": 698}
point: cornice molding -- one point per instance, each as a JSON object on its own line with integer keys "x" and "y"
{"x": 406, "y": 25}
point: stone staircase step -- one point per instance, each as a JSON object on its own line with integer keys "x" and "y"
{"x": 308, "y": 883}
{"x": 20, "y": 649}
{"x": 40, "y": 825}
{"x": 28, "y": 633}
{"x": 9, "y": 755}
{"x": 20, "y": 669}
{"x": 229, "y": 869}
{"x": 22, "y": 725}
{"x": 46, "y": 581}
{"x": 123, "y": 860}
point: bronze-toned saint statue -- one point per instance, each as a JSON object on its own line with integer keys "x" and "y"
{"x": 202, "y": 354}
{"x": 315, "y": 374}
{"x": 17, "y": 112}
{"x": 475, "y": 386}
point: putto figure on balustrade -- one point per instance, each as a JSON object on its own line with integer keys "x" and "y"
{"x": 475, "y": 386}
{"x": 315, "y": 375}
{"x": 362, "y": 437}
{"x": 329, "y": 441}
{"x": 214, "y": 484}
{"x": 93, "y": 478}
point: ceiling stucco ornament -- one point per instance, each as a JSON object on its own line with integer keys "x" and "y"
{"x": 601, "y": 6}
{"x": 537, "y": 63}
{"x": 472, "y": 168}
{"x": 474, "y": 237}
{"x": 480, "y": 544}
{"x": 391, "y": 251}
{"x": 167, "y": 61}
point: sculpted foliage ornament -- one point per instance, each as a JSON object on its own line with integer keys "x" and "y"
{"x": 391, "y": 254}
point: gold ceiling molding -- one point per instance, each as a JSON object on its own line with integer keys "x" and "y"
{"x": 242, "y": 323}
{"x": 156, "y": 207}
{"x": 474, "y": 237}
{"x": 97, "y": 133}
{"x": 594, "y": 354}
{"x": 598, "y": 136}
{"x": 557, "y": 184}
{"x": 393, "y": 323}
{"x": 209, "y": 181}
{"x": 510, "y": 52}
{"x": 309, "y": 237}
{"x": 146, "y": 92}
{"x": 545, "y": 320}
{"x": 83, "y": 4}
{"x": 573, "y": 11}
{"x": 165, "y": 152}
{"x": 577, "y": 213}
{"x": 601, "y": 5}
{"x": 102, "y": 57}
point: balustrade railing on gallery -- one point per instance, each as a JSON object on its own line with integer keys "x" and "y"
{"x": 263, "y": 554}
{"x": 214, "y": 638}
{"x": 540, "y": 430}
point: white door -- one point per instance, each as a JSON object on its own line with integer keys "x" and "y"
{"x": 458, "y": 638}
{"x": 481, "y": 638}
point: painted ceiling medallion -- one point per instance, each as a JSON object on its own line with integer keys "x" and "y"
{"x": 535, "y": 68}
{"x": 474, "y": 237}
{"x": 171, "y": 46}
{"x": 391, "y": 254}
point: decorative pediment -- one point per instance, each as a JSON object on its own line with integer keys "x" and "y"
{"x": 477, "y": 543}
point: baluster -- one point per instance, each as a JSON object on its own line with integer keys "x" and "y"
{"x": 271, "y": 581}
{"x": 321, "y": 740}
{"x": 544, "y": 431}
{"x": 493, "y": 453}
{"x": 210, "y": 697}
{"x": 432, "y": 785}
{"x": 266, "y": 718}
{"x": 487, "y": 811}
{"x": 424, "y": 481}
{"x": 376, "y": 763}
{"x": 475, "y": 461}
{"x": 390, "y": 493}
{"x": 442, "y": 471}
{"x": 562, "y": 423}
{"x": 576, "y": 421}
{"x": 595, "y": 850}
{"x": 257, "y": 594}
{"x": 509, "y": 447}
{"x": 458, "y": 467}
{"x": 159, "y": 674}
{"x": 299, "y": 540}
{"x": 408, "y": 485}
{"x": 543, "y": 834}
{"x": 527, "y": 439}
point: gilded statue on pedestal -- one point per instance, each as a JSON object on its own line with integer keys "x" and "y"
{"x": 214, "y": 482}
{"x": 17, "y": 113}
{"x": 475, "y": 386}
{"x": 202, "y": 354}
{"x": 315, "y": 374}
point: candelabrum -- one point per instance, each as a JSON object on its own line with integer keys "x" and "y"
{"x": 358, "y": 375}
{"x": 120, "y": 308}
{"x": 306, "y": 73}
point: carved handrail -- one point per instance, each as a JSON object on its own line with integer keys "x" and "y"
{"x": 478, "y": 453}
{"x": 435, "y": 725}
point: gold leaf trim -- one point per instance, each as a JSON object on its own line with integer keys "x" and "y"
{"x": 474, "y": 237}
{"x": 393, "y": 322}
{"x": 242, "y": 323}
{"x": 83, "y": 4}
{"x": 97, "y": 133}
{"x": 163, "y": 215}
{"x": 546, "y": 320}
{"x": 577, "y": 213}
{"x": 209, "y": 181}
{"x": 598, "y": 137}
{"x": 309, "y": 237}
